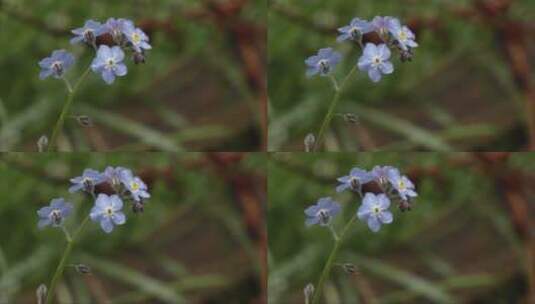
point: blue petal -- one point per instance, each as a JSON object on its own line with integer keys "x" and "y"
{"x": 374, "y": 224}
{"x": 108, "y": 76}
{"x": 106, "y": 224}
{"x": 119, "y": 218}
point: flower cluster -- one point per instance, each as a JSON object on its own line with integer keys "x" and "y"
{"x": 374, "y": 210}
{"x": 107, "y": 209}
{"x": 108, "y": 62}
{"x": 375, "y": 59}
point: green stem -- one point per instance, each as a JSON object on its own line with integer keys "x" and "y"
{"x": 65, "y": 110}
{"x": 63, "y": 261}
{"x": 330, "y": 262}
{"x": 328, "y": 117}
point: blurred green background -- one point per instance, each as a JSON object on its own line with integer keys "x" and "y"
{"x": 199, "y": 89}
{"x": 199, "y": 239}
{"x": 466, "y": 240}
{"x": 466, "y": 88}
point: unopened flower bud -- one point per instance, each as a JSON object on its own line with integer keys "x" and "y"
{"x": 138, "y": 58}
{"x": 84, "y": 121}
{"x": 351, "y": 118}
{"x": 309, "y": 292}
{"x": 310, "y": 140}
{"x": 40, "y": 293}
{"x": 138, "y": 207}
{"x": 42, "y": 143}
{"x": 82, "y": 269}
{"x": 404, "y": 206}
{"x": 349, "y": 268}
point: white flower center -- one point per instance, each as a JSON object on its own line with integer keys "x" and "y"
{"x": 376, "y": 60}
{"x": 376, "y": 209}
{"x": 110, "y": 63}
{"x": 109, "y": 211}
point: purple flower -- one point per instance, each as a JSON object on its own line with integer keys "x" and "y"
{"x": 402, "y": 184}
{"x": 354, "y": 30}
{"x": 114, "y": 176}
{"x": 383, "y": 25}
{"x": 374, "y": 210}
{"x": 107, "y": 211}
{"x": 374, "y": 60}
{"x": 380, "y": 174}
{"x": 56, "y": 65}
{"x": 138, "y": 39}
{"x": 116, "y": 27}
{"x": 354, "y": 181}
{"x": 88, "y": 33}
{"x": 403, "y": 35}
{"x": 322, "y": 63}
{"x": 54, "y": 214}
{"x": 322, "y": 213}
{"x": 108, "y": 63}
{"x": 89, "y": 179}
{"x": 134, "y": 184}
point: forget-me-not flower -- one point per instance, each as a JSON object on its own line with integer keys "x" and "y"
{"x": 354, "y": 181}
{"x": 89, "y": 179}
{"x": 109, "y": 63}
{"x": 88, "y": 33}
{"x": 383, "y": 25}
{"x": 380, "y": 174}
{"x": 403, "y": 35}
{"x": 134, "y": 185}
{"x": 375, "y": 61}
{"x": 114, "y": 175}
{"x": 116, "y": 27}
{"x": 322, "y": 63}
{"x": 54, "y": 214}
{"x": 322, "y": 212}
{"x": 56, "y": 65}
{"x": 107, "y": 211}
{"x": 402, "y": 184}
{"x": 137, "y": 38}
{"x": 374, "y": 210}
{"x": 354, "y": 30}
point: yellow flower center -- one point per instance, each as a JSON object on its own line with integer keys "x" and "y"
{"x": 402, "y": 35}
{"x": 136, "y": 38}
{"x": 134, "y": 186}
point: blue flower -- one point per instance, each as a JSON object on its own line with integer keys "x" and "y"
{"x": 374, "y": 60}
{"x": 354, "y": 181}
{"x": 56, "y": 65}
{"x": 322, "y": 213}
{"x": 403, "y": 35}
{"x": 116, "y": 27}
{"x": 374, "y": 210}
{"x": 109, "y": 63}
{"x": 88, "y": 33}
{"x": 380, "y": 174}
{"x": 114, "y": 175}
{"x": 138, "y": 39}
{"x": 322, "y": 63}
{"x": 89, "y": 179}
{"x": 54, "y": 214}
{"x": 107, "y": 211}
{"x": 134, "y": 185}
{"x": 383, "y": 25}
{"x": 402, "y": 184}
{"x": 354, "y": 30}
